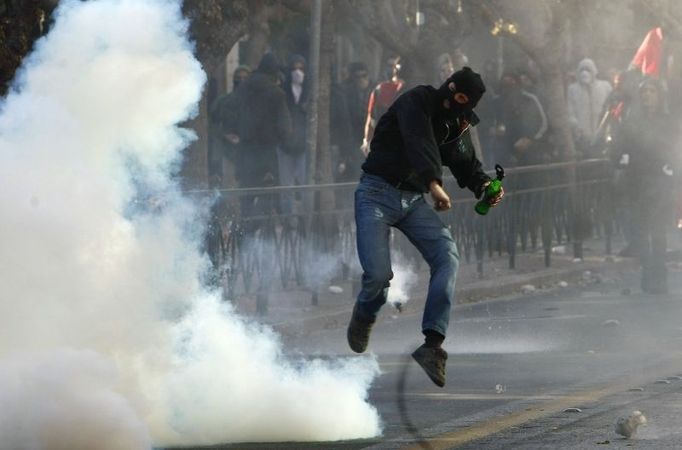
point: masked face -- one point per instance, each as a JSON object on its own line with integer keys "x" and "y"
{"x": 458, "y": 104}
{"x": 239, "y": 77}
{"x": 585, "y": 77}
{"x": 297, "y": 76}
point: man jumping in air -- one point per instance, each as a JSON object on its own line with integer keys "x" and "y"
{"x": 425, "y": 129}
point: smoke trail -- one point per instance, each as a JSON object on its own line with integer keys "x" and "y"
{"x": 107, "y": 336}
{"x": 404, "y": 279}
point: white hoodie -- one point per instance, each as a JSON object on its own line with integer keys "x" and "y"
{"x": 586, "y": 100}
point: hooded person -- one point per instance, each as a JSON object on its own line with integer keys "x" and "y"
{"x": 646, "y": 146}
{"x": 520, "y": 124}
{"x": 222, "y": 115}
{"x": 586, "y": 97}
{"x": 292, "y": 157}
{"x": 422, "y": 131}
{"x": 261, "y": 122}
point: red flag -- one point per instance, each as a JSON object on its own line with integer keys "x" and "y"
{"x": 649, "y": 55}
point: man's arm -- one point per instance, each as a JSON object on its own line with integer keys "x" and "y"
{"x": 441, "y": 199}
{"x": 422, "y": 152}
{"x": 461, "y": 159}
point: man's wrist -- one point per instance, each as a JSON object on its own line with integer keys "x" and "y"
{"x": 481, "y": 188}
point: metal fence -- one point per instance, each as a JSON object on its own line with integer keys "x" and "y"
{"x": 263, "y": 249}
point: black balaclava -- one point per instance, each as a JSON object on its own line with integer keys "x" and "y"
{"x": 467, "y": 82}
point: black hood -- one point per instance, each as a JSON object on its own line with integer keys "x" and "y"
{"x": 269, "y": 65}
{"x": 467, "y": 82}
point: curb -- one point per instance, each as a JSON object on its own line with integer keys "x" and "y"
{"x": 475, "y": 292}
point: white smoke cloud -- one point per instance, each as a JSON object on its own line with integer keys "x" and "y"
{"x": 404, "y": 279}
{"x": 105, "y": 328}
{"x": 64, "y": 400}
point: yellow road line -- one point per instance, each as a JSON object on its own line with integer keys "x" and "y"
{"x": 480, "y": 396}
{"x": 497, "y": 424}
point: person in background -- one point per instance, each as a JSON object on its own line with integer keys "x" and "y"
{"x": 425, "y": 129}
{"x": 528, "y": 82}
{"x": 382, "y": 98}
{"x": 221, "y": 111}
{"x": 617, "y": 107}
{"x": 292, "y": 156}
{"x": 648, "y": 138}
{"x": 444, "y": 67}
{"x": 259, "y": 123}
{"x": 240, "y": 75}
{"x": 349, "y": 112}
{"x": 459, "y": 58}
{"x": 520, "y": 124}
{"x": 486, "y": 111}
{"x": 585, "y": 99}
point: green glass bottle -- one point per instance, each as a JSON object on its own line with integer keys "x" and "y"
{"x": 494, "y": 188}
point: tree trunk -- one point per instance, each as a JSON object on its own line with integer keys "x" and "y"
{"x": 324, "y": 160}
{"x": 215, "y": 27}
{"x": 259, "y": 33}
{"x": 557, "y": 112}
{"x": 194, "y": 172}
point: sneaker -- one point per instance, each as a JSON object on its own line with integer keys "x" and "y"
{"x": 432, "y": 360}
{"x": 358, "y": 332}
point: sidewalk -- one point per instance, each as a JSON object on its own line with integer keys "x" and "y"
{"x": 290, "y": 312}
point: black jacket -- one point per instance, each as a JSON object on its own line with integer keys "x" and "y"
{"x": 298, "y": 112}
{"x": 649, "y": 143}
{"x": 259, "y": 113}
{"x": 413, "y": 141}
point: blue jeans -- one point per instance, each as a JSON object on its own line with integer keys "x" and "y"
{"x": 379, "y": 206}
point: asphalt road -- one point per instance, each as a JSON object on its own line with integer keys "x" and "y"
{"x": 517, "y": 364}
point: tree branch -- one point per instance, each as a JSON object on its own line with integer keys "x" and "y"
{"x": 525, "y": 42}
{"x": 365, "y": 13}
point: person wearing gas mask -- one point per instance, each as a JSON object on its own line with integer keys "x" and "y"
{"x": 425, "y": 129}
{"x": 292, "y": 156}
{"x": 586, "y": 98}
{"x": 381, "y": 98}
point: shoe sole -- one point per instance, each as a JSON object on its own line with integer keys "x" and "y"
{"x": 356, "y": 350}
{"x": 437, "y": 381}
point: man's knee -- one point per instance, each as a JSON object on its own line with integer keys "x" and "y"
{"x": 447, "y": 258}
{"x": 377, "y": 279}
